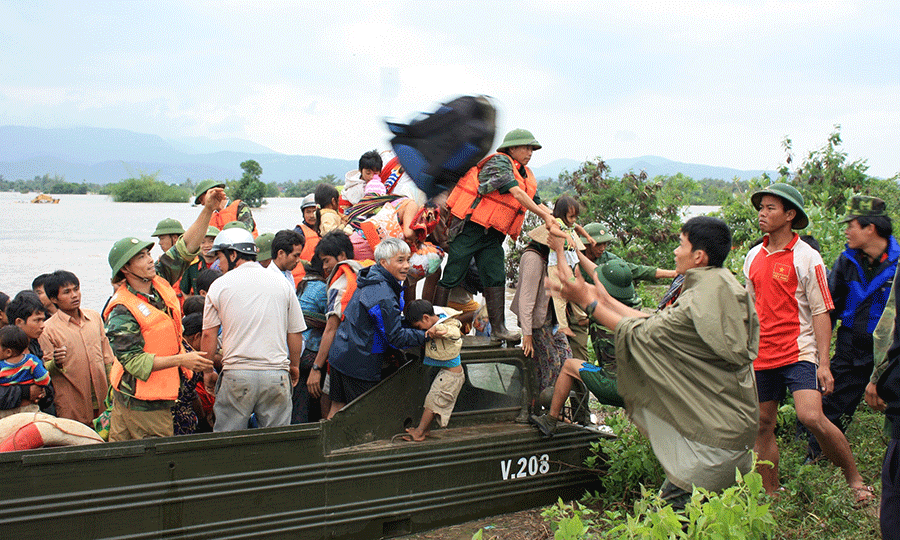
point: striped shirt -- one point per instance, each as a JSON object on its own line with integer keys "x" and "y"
{"x": 788, "y": 287}
{"x": 30, "y": 370}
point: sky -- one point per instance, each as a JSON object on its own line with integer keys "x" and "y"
{"x": 718, "y": 83}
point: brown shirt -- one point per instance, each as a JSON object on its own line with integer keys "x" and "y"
{"x": 81, "y": 379}
{"x": 531, "y": 300}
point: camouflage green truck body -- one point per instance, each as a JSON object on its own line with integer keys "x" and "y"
{"x": 345, "y": 478}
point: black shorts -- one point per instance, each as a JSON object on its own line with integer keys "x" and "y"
{"x": 771, "y": 383}
{"x": 345, "y": 389}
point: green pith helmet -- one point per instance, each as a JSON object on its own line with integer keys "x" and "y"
{"x": 787, "y": 193}
{"x": 264, "y": 244}
{"x": 519, "y": 137}
{"x": 205, "y": 186}
{"x": 168, "y": 226}
{"x": 616, "y": 278}
{"x": 123, "y": 251}
{"x": 212, "y": 231}
{"x": 235, "y": 225}
{"x": 598, "y": 232}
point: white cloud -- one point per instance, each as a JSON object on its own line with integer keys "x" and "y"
{"x": 717, "y": 82}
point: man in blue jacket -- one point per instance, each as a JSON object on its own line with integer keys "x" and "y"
{"x": 372, "y": 327}
{"x": 860, "y": 283}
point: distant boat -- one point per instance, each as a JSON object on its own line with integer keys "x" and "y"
{"x": 44, "y": 199}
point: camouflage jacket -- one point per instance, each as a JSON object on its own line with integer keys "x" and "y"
{"x": 125, "y": 337}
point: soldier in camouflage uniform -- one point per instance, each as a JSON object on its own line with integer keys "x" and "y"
{"x": 598, "y": 252}
{"x": 149, "y": 283}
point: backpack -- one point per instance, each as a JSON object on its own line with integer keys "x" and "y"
{"x": 437, "y": 149}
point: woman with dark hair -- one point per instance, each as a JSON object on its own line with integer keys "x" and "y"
{"x": 532, "y": 306}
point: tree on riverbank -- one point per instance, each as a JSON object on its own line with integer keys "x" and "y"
{"x": 146, "y": 188}
{"x": 249, "y": 188}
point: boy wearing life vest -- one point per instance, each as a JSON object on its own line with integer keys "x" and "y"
{"x": 309, "y": 228}
{"x": 336, "y": 252}
{"x": 488, "y": 204}
{"x": 227, "y": 211}
{"x": 143, "y": 324}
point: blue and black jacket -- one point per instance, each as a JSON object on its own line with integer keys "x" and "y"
{"x": 372, "y": 323}
{"x": 859, "y": 302}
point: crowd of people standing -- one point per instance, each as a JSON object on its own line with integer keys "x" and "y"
{"x": 232, "y": 329}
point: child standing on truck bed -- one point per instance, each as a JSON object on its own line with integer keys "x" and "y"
{"x": 442, "y": 352}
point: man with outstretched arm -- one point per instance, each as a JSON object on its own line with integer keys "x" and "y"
{"x": 685, "y": 374}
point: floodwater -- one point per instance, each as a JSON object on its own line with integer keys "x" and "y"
{"x": 77, "y": 233}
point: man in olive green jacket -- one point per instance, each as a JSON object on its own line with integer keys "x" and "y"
{"x": 686, "y": 372}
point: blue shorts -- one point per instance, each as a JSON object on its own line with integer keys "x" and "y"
{"x": 770, "y": 383}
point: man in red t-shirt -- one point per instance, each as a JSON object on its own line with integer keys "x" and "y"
{"x": 787, "y": 280}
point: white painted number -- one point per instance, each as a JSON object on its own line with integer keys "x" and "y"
{"x": 528, "y": 466}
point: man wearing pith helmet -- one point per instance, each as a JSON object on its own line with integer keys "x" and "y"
{"x": 144, "y": 330}
{"x": 227, "y": 211}
{"x": 860, "y": 283}
{"x": 787, "y": 281}
{"x": 167, "y": 233}
{"x": 487, "y": 204}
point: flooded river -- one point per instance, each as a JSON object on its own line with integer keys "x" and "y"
{"x": 77, "y": 234}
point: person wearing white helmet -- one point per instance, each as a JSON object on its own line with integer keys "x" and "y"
{"x": 261, "y": 323}
{"x": 309, "y": 228}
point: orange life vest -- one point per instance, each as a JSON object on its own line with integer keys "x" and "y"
{"x": 312, "y": 240}
{"x": 227, "y": 215}
{"x": 309, "y": 249}
{"x": 162, "y": 336}
{"x": 350, "y": 272}
{"x": 495, "y": 210}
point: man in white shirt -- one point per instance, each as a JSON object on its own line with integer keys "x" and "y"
{"x": 261, "y": 324}
{"x": 286, "y": 248}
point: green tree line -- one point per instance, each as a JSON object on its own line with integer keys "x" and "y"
{"x": 645, "y": 214}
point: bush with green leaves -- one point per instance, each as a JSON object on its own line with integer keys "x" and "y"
{"x": 645, "y": 214}
{"x": 633, "y": 464}
{"x": 742, "y": 511}
{"x": 146, "y": 188}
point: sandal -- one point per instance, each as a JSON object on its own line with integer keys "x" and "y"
{"x": 864, "y": 496}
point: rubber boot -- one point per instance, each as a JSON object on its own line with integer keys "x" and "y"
{"x": 441, "y": 294}
{"x": 495, "y": 298}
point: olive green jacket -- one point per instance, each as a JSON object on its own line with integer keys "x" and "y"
{"x": 691, "y": 364}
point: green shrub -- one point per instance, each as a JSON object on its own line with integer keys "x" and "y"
{"x": 634, "y": 464}
{"x": 147, "y": 188}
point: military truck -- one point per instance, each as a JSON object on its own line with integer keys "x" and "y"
{"x": 349, "y": 477}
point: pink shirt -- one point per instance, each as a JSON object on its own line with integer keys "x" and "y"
{"x": 80, "y": 381}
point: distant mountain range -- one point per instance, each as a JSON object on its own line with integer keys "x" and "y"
{"x": 101, "y": 156}
{"x": 653, "y": 165}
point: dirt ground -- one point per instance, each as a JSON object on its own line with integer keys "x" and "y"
{"x": 523, "y": 525}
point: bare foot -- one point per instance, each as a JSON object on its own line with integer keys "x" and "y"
{"x": 415, "y": 434}
{"x": 567, "y": 331}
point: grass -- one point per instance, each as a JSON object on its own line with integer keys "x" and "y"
{"x": 816, "y": 501}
